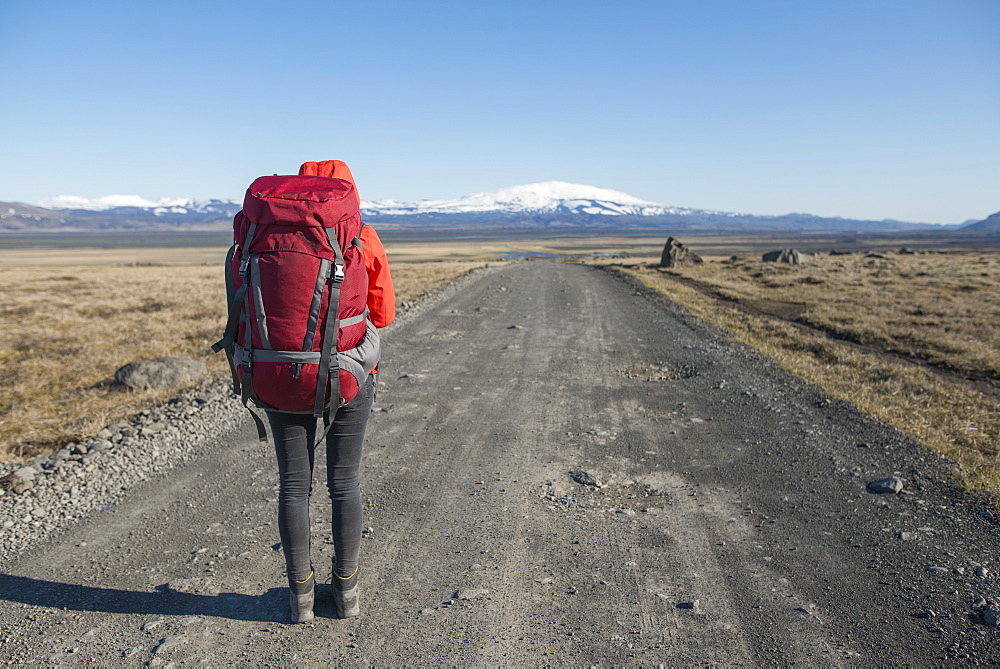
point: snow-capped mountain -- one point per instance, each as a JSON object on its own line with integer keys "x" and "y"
{"x": 548, "y": 197}
{"x": 165, "y": 205}
{"x": 550, "y": 205}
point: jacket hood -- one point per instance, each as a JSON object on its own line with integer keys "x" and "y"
{"x": 336, "y": 169}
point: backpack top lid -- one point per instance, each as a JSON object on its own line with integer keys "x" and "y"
{"x": 310, "y": 201}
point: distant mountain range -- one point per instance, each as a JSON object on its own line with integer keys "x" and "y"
{"x": 553, "y": 205}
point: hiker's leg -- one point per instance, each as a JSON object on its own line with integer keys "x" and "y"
{"x": 293, "y": 444}
{"x": 345, "y": 443}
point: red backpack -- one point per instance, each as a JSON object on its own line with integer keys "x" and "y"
{"x": 298, "y": 333}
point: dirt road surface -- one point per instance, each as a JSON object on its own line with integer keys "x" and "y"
{"x": 731, "y": 524}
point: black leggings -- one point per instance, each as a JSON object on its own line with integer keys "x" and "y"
{"x": 294, "y": 444}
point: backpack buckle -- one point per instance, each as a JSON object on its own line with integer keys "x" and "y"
{"x": 244, "y": 262}
{"x": 338, "y": 272}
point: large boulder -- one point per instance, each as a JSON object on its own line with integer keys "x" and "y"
{"x": 676, "y": 254}
{"x": 790, "y": 256}
{"x": 169, "y": 372}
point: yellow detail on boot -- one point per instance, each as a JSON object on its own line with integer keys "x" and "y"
{"x": 307, "y": 578}
{"x": 347, "y": 578}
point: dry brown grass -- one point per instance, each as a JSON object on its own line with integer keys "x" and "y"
{"x": 68, "y": 328}
{"x": 952, "y": 418}
{"x": 942, "y": 307}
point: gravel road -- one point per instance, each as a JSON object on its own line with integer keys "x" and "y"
{"x": 562, "y": 470}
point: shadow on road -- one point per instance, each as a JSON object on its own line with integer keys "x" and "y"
{"x": 266, "y": 607}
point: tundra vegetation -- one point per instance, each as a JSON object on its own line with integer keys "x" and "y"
{"x": 67, "y": 328}
{"x": 910, "y": 338}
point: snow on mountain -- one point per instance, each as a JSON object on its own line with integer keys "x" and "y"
{"x": 165, "y": 205}
{"x": 539, "y": 198}
{"x": 549, "y": 197}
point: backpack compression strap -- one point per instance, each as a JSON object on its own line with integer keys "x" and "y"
{"x": 329, "y": 365}
{"x": 238, "y": 307}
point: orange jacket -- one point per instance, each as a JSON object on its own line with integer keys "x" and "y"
{"x": 381, "y": 294}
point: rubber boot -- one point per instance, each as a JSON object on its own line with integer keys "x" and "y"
{"x": 345, "y": 594}
{"x": 301, "y": 596}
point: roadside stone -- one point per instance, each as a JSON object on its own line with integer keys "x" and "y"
{"x": 938, "y": 570}
{"x": 26, "y": 473}
{"x": 790, "y": 256}
{"x": 886, "y": 486}
{"x": 10, "y": 481}
{"x": 979, "y": 604}
{"x": 427, "y": 612}
{"x": 166, "y": 372}
{"x": 130, "y": 652}
{"x": 168, "y": 643}
{"x": 991, "y": 616}
{"x": 152, "y": 625}
{"x": 152, "y": 429}
{"x": 982, "y": 572}
{"x": 693, "y": 605}
{"x": 676, "y": 254}
{"x": 584, "y": 478}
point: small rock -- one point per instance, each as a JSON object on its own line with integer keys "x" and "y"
{"x": 130, "y": 652}
{"x": 938, "y": 570}
{"x": 692, "y": 604}
{"x": 979, "y": 604}
{"x": 22, "y": 487}
{"x": 10, "y": 481}
{"x": 790, "y": 256}
{"x": 908, "y": 536}
{"x": 584, "y": 478}
{"x": 105, "y": 434}
{"x": 886, "y": 486}
{"x": 471, "y": 593}
{"x": 991, "y": 616}
{"x": 427, "y": 612}
{"x": 167, "y": 372}
{"x": 26, "y": 473}
{"x": 169, "y": 643}
{"x": 152, "y": 625}
{"x": 982, "y": 572}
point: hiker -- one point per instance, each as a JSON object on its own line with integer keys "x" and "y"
{"x": 303, "y": 240}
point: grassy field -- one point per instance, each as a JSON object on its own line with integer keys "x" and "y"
{"x": 938, "y": 313}
{"x": 68, "y": 327}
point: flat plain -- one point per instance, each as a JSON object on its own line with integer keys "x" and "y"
{"x": 908, "y": 337}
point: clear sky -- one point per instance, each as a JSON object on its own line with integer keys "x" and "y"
{"x": 863, "y": 109}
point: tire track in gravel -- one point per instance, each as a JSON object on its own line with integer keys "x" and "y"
{"x": 723, "y": 479}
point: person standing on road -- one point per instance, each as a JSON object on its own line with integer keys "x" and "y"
{"x": 295, "y": 440}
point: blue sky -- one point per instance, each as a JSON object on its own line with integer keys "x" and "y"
{"x": 873, "y": 109}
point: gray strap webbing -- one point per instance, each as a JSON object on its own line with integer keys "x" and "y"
{"x": 233, "y": 323}
{"x": 321, "y": 277}
{"x": 258, "y": 301}
{"x": 357, "y": 240}
{"x": 329, "y": 366}
{"x": 353, "y": 320}
{"x": 230, "y": 293}
{"x": 246, "y": 396}
{"x": 243, "y": 355}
